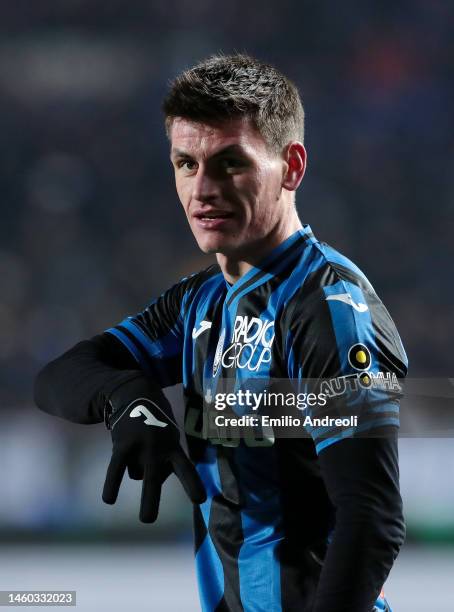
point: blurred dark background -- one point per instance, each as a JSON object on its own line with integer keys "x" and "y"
{"x": 91, "y": 229}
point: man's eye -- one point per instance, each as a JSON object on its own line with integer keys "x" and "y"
{"x": 187, "y": 164}
{"x": 231, "y": 163}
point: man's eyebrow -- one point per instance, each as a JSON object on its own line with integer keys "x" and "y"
{"x": 179, "y": 153}
{"x": 234, "y": 148}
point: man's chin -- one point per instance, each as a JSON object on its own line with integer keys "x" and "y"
{"x": 214, "y": 246}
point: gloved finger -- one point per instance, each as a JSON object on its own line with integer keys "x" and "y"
{"x": 188, "y": 476}
{"x": 164, "y": 472}
{"x": 135, "y": 471}
{"x": 113, "y": 480}
{"x": 151, "y": 495}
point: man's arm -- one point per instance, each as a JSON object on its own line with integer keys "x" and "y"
{"x": 343, "y": 348}
{"x": 361, "y": 476}
{"x": 71, "y": 386}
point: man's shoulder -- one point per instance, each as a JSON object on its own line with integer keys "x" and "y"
{"x": 343, "y": 267}
{"x": 336, "y": 305}
{"x": 322, "y": 270}
{"x": 325, "y": 277}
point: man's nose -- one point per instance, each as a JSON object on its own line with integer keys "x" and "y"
{"x": 204, "y": 188}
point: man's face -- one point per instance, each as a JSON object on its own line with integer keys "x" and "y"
{"x": 229, "y": 183}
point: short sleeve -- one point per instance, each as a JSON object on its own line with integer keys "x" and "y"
{"x": 343, "y": 344}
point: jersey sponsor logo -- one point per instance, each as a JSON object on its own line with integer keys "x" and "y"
{"x": 347, "y": 299}
{"x": 204, "y": 326}
{"x": 383, "y": 381}
{"x": 250, "y": 345}
{"x": 359, "y": 357}
{"x": 150, "y": 419}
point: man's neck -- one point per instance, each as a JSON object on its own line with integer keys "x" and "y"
{"x": 234, "y": 266}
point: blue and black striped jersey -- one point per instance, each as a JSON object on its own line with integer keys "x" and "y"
{"x": 304, "y": 313}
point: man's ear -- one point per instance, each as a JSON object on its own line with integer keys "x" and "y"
{"x": 295, "y": 157}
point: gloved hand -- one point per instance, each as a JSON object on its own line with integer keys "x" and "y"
{"x": 145, "y": 439}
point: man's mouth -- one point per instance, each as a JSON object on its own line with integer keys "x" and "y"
{"x": 215, "y": 214}
{"x": 212, "y": 219}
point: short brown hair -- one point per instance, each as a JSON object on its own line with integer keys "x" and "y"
{"x": 229, "y": 86}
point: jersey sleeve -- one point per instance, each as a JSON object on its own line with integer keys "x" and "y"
{"x": 155, "y": 336}
{"x": 343, "y": 344}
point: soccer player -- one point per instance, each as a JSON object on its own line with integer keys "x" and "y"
{"x": 308, "y": 523}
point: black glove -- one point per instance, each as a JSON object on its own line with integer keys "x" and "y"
{"x": 145, "y": 439}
